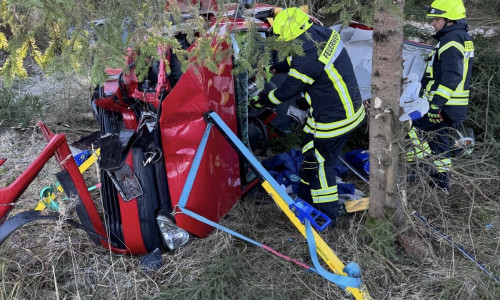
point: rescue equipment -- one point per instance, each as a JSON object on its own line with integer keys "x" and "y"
{"x": 47, "y": 194}
{"x": 346, "y": 277}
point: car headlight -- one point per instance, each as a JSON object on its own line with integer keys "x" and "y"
{"x": 173, "y": 236}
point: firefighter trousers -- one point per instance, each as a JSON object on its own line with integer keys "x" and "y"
{"x": 318, "y": 185}
{"x": 440, "y": 145}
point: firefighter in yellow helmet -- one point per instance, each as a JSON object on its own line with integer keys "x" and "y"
{"x": 326, "y": 77}
{"x": 291, "y": 23}
{"x": 446, "y": 84}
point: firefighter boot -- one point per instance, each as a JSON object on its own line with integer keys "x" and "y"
{"x": 331, "y": 209}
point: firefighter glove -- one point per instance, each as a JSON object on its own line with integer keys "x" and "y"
{"x": 302, "y": 103}
{"x": 264, "y": 99}
{"x": 255, "y": 103}
{"x": 434, "y": 115}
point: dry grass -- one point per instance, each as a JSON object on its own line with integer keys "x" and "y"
{"x": 50, "y": 260}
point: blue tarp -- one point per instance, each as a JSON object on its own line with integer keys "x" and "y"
{"x": 285, "y": 169}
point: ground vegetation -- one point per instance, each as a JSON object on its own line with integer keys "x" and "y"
{"x": 53, "y": 261}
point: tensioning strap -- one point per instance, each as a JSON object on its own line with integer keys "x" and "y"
{"x": 239, "y": 235}
{"x": 340, "y": 280}
{"x": 186, "y": 190}
{"x": 351, "y": 284}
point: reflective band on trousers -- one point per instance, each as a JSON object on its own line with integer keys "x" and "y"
{"x": 324, "y": 195}
{"x": 321, "y": 170}
{"x": 443, "y": 165}
{"x": 421, "y": 150}
{"x": 308, "y": 146}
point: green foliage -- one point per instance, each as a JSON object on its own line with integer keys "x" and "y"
{"x": 29, "y": 24}
{"x": 253, "y": 56}
{"x": 285, "y": 142}
{"x": 40, "y": 29}
{"x": 362, "y": 11}
{"x": 349, "y": 10}
{"x": 413, "y": 9}
{"x": 22, "y": 109}
{"x": 379, "y": 234}
{"x": 484, "y": 108}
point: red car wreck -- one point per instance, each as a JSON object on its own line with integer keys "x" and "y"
{"x": 172, "y": 162}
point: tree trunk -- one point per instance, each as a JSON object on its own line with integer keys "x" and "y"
{"x": 385, "y": 170}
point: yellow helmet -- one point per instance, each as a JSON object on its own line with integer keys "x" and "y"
{"x": 448, "y": 9}
{"x": 290, "y": 23}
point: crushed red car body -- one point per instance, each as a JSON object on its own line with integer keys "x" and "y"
{"x": 152, "y": 131}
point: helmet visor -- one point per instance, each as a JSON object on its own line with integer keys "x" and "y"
{"x": 433, "y": 12}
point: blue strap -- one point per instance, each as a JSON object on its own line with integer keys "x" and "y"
{"x": 261, "y": 171}
{"x": 218, "y": 226}
{"x": 188, "y": 185}
{"x": 340, "y": 280}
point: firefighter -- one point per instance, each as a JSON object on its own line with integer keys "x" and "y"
{"x": 326, "y": 77}
{"x": 445, "y": 84}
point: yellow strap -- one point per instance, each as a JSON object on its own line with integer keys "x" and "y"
{"x": 324, "y": 251}
{"x": 40, "y": 206}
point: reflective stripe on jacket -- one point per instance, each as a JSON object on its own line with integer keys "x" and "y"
{"x": 447, "y": 77}
{"x": 329, "y": 84}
